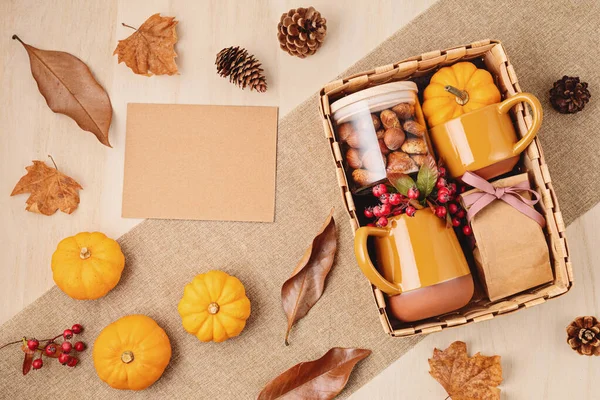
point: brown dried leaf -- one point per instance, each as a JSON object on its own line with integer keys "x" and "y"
{"x": 307, "y": 283}
{"x": 50, "y": 190}
{"x": 464, "y": 377}
{"x": 320, "y": 379}
{"x": 28, "y": 359}
{"x": 69, "y": 88}
{"x": 149, "y": 50}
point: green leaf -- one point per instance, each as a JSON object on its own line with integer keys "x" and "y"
{"x": 401, "y": 182}
{"x": 427, "y": 177}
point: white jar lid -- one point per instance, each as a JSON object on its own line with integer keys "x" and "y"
{"x": 377, "y": 98}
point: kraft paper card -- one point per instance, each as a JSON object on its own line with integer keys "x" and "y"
{"x": 200, "y": 162}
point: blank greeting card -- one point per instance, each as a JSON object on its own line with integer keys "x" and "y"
{"x": 200, "y": 162}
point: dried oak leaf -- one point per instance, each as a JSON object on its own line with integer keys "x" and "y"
{"x": 50, "y": 190}
{"x": 307, "y": 283}
{"x": 69, "y": 88}
{"x": 464, "y": 377}
{"x": 320, "y": 379}
{"x": 150, "y": 49}
{"x": 28, "y": 361}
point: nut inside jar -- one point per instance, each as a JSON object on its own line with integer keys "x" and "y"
{"x": 362, "y": 149}
{"x": 381, "y": 131}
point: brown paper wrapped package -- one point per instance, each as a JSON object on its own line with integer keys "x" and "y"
{"x": 511, "y": 253}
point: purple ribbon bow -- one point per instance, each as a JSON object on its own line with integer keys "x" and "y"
{"x": 510, "y": 195}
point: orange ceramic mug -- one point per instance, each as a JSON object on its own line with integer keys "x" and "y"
{"x": 484, "y": 140}
{"x": 421, "y": 265}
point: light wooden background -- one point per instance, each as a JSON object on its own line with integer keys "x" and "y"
{"x": 536, "y": 360}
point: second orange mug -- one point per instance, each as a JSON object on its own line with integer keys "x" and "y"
{"x": 484, "y": 140}
{"x": 420, "y": 265}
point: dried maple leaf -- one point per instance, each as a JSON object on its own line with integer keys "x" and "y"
{"x": 307, "y": 283}
{"x": 464, "y": 377}
{"x": 149, "y": 50}
{"x": 321, "y": 379}
{"x": 50, "y": 190}
{"x": 69, "y": 88}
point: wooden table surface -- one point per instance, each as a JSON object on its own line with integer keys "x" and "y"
{"x": 537, "y": 362}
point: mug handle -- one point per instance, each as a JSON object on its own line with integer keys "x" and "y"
{"x": 365, "y": 263}
{"x": 536, "y": 109}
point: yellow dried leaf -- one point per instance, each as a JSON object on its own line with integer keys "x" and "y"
{"x": 50, "y": 190}
{"x": 150, "y": 49}
{"x": 464, "y": 377}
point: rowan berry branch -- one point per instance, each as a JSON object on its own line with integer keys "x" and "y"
{"x": 21, "y": 340}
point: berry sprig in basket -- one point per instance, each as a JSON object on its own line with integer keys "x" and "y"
{"x": 433, "y": 189}
{"x": 33, "y": 347}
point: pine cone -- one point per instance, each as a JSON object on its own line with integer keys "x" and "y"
{"x": 583, "y": 335}
{"x": 569, "y": 95}
{"x": 241, "y": 68}
{"x": 301, "y": 31}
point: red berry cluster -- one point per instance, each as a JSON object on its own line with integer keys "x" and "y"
{"x": 51, "y": 349}
{"x": 389, "y": 204}
{"x": 443, "y": 201}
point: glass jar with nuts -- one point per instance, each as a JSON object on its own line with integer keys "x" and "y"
{"x": 381, "y": 131}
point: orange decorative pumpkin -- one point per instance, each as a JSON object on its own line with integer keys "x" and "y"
{"x": 88, "y": 265}
{"x": 131, "y": 353}
{"x": 456, "y": 90}
{"x": 214, "y": 306}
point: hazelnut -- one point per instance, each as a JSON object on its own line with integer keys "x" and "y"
{"x": 414, "y": 128}
{"x": 404, "y": 110}
{"x": 414, "y": 146}
{"x": 384, "y": 149}
{"x": 373, "y": 160}
{"x": 393, "y": 138}
{"x": 380, "y": 133}
{"x": 364, "y": 124}
{"x": 353, "y": 158}
{"x": 419, "y": 159}
{"x": 376, "y": 121}
{"x": 361, "y": 177}
{"x": 389, "y": 119}
{"x": 354, "y": 140}
{"x": 400, "y": 162}
{"x": 345, "y": 130}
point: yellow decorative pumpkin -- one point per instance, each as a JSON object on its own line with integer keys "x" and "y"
{"x": 131, "y": 353}
{"x": 214, "y": 306}
{"x": 88, "y": 265}
{"x": 457, "y": 90}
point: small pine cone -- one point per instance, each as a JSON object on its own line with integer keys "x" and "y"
{"x": 583, "y": 335}
{"x": 301, "y": 31}
{"x": 242, "y": 69}
{"x": 569, "y": 95}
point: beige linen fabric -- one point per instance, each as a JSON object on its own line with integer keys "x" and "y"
{"x": 544, "y": 40}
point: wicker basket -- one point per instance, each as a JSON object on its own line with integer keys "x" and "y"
{"x": 496, "y": 61}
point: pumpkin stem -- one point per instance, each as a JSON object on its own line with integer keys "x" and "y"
{"x": 462, "y": 97}
{"x": 213, "y": 308}
{"x": 127, "y": 356}
{"x": 85, "y": 253}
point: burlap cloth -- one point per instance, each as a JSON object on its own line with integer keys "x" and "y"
{"x": 544, "y": 40}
